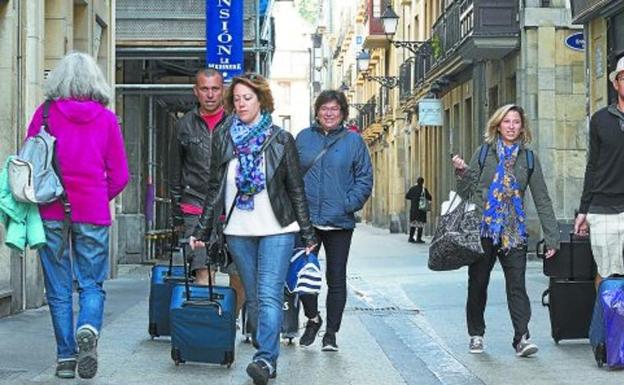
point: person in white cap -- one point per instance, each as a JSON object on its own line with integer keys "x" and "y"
{"x": 602, "y": 202}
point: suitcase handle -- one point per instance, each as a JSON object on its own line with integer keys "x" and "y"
{"x": 546, "y": 294}
{"x": 539, "y": 249}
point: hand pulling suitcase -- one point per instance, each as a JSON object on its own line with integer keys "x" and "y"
{"x": 163, "y": 278}
{"x": 570, "y": 305}
{"x": 574, "y": 259}
{"x": 606, "y": 331}
{"x": 203, "y": 323}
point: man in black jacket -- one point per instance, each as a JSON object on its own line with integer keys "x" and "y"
{"x": 190, "y": 166}
{"x": 602, "y": 202}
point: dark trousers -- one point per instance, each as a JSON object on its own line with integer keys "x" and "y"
{"x": 336, "y": 244}
{"x": 513, "y": 263}
{"x": 412, "y": 230}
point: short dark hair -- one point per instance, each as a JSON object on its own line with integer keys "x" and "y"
{"x": 208, "y": 72}
{"x": 332, "y": 96}
{"x": 420, "y": 180}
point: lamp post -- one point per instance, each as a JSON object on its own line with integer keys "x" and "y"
{"x": 362, "y": 61}
{"x": 390, "y": 20}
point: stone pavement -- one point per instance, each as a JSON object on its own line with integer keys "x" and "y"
{"x": 403, "y": 325}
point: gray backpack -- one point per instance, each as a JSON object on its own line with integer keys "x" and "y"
{"x": 32, "y": 174}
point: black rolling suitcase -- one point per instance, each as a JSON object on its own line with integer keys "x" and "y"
{"x": 290, "y": 319}
{"x": 570, "y": 295}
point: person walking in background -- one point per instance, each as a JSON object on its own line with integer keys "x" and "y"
{"x": 602, "y": 201}
{"x": 420, "y": 201}
{"x": 93, "y": 165}
{"x": 338, "y": 178}
{"x": 256, "y": 174}
{"x": 190, "y": 168}
{"x": 497, "y": 187}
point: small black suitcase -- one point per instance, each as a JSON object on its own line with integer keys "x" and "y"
{"x": 290, "y": 319}
{"x": 574, "y": 259}
{"x": 570, "y": 306}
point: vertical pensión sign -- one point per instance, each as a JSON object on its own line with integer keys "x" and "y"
{"x": 224, "y": 36}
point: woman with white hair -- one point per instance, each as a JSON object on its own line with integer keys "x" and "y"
{"x": 93, "y": 166}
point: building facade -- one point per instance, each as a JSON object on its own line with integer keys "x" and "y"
{"x": 34, "y": 36}
{"x": 469, "y": 57}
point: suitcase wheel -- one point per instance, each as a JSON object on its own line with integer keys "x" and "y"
{"x": 152, "y": 330}
{"x": 600, "y": 354}
{"x": 176, "y": 356}
{"x": 228, "y": 359}
{"x": 290, "y": 340}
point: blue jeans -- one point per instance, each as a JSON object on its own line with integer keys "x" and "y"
{"x": 89, "y": 266}
{"x": 262, "y": 264}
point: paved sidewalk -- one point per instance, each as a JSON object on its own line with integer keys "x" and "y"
{"x": 128, "y": 356}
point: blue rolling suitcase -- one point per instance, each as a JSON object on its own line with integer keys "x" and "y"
{"x": 163, "y": 278}
{"x": 605, "y": 332}
{"x": 203, "y": 323}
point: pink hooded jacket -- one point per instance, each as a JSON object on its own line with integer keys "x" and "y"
{"x": 91, "y": 154}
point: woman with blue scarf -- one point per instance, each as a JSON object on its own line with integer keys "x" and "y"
{"x": 497, "y": 186}
{"x": 257, "y": 184}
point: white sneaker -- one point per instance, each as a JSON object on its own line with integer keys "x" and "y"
{"x": 476, "y": 345}
{"x": 525, "y": 348}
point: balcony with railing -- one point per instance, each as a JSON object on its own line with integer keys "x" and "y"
{"x": 471, "y": 29}
{"x": 374, "y": 34}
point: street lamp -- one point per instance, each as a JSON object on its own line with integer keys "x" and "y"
{"x": 343, "y": 87}
{"x": 361, "y": 107}
{"x": 362, "y": 61}
{"x": 390, "y": 20}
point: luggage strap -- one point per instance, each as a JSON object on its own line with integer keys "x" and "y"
{"x": 530, "y": 158}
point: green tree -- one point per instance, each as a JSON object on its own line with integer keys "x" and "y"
{"x": 308, "y": 9}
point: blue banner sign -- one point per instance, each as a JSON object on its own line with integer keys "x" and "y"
{"x": 575, "y": 41}
{"x": 224, "y": 37}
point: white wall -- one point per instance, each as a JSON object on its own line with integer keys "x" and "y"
{"x": 290, "y": 68}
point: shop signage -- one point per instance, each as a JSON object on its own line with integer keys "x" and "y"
{"x": 575, "y": 41}
{"x": 430, "y": 112}
{"x": 224, "y": 36}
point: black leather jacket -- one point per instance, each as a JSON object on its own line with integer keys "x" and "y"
{"x": 284, "y": 184}
{"x": 189, "y": 157}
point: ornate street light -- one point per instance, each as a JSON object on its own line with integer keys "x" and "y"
{"x": 361, "y": 107}
{"x": 390, "y": 20}
{"x": 362, "y": 61}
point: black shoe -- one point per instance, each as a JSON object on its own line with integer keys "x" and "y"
{"x": 87, "y": 353}
{"x": 66, "y": 368}
{"x": 311, "y": 330}
{"x": 419, "y": 241}
{"x": 259, "y": 372}
{"x": 329, "y": 342}
{"x": 411, "y": 240}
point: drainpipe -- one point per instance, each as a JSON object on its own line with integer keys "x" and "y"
{"x": 18, "y": 124}
{"x": 257, "y": 48}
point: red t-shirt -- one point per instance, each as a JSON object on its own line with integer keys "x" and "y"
{"x": 211, "y": 121}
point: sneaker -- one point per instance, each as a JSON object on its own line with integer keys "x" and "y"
{"x": 329, "y": 342}
{"x": 419, "y": 241}
{"x": 311, "y": 330}
{"x": 476, "y": 345}
{"x": 66, "y": 368}
{"x": 260, "y": 372}
{"x": 87, "y": 353}
{"x": 525, "y": 348}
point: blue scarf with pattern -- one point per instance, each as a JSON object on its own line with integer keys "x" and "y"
{"x": 248, "y": 141}
{"x": 503, "y": 215}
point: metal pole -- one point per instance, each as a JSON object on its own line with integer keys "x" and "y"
{"x": 150, "y": 170}
{"x": 257, "y": 47}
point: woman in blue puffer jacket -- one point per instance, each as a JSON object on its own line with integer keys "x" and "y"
{"x": 338, "y": 178}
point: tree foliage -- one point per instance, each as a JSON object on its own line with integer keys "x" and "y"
{"x": 308, "y": 9}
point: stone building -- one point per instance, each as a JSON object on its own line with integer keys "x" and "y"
{"x": 471, "y": 57}
{"x": 34, "y": 35}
